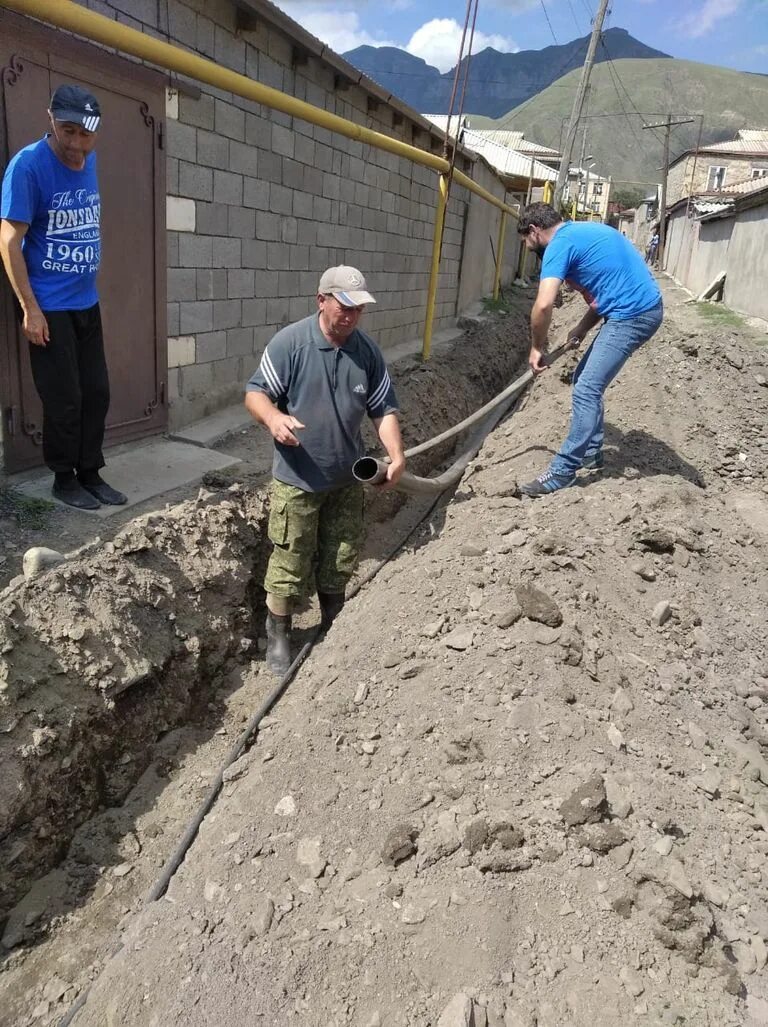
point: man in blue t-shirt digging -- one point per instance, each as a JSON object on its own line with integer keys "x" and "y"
{"x": 619, "y": 289}
{"x": 50, "y": 244}
{"x": 317, "y": 380}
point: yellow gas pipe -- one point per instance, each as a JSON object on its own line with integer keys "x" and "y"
{"x": 499, "y": 254}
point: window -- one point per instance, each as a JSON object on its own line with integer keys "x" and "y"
{"x": 760, "y": 172}
{"x": 598, "y": 189}
{"x": 716, "y": 179}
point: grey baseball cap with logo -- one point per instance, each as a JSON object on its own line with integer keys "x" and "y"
{"x": 75, "y": 104}
{"x": 347, "y": 284}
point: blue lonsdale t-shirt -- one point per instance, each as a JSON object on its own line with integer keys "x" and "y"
{"x": 605, "y": 265}
{"x": 62, "y": 247}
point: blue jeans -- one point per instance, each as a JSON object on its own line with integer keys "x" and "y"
{"x": 614, "y": 344}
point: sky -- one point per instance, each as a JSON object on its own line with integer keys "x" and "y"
{"x": 729, "y": 33}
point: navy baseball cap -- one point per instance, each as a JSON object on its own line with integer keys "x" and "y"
{"x": 75, "y": 104}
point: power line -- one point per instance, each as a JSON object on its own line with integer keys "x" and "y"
{"x": 575, "y": 20}
{"x": 611, "y": 74}
{"x": 553, "y": 85}
{"x": 626, "y": 93}
{"x": 544, "y": 9}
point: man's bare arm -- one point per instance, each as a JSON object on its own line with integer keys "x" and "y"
{"x": 11, "y": 235}
{"x": 280, "y": 426}
{"x": 388, "y": 430}
{"x": 541, "y": 317}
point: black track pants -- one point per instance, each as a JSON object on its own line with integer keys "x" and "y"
{"x": 70, "y": 374}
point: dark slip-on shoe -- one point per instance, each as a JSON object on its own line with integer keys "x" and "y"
{"x": 105, "y": 493}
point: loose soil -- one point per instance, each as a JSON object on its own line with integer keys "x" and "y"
{"x": 522, "y": 781}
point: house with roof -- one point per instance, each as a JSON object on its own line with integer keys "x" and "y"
{"x": 518, "y": 161}
{"x": 712, "y": 167}
{"x": 723, "y": 230}
{"x": 587, "y": 194}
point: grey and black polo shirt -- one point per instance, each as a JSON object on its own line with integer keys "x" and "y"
{"x": 329, "y": 389}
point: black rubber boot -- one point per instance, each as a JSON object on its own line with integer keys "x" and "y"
{"x": 331, "y": 604}
{"x": 278, "y": 643}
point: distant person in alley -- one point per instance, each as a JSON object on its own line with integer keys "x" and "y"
{"x": 51, "y": 245}
{"x": 652, "y": 247}
{"x": 317, "y": 380}
{"x": 620, "y": 290}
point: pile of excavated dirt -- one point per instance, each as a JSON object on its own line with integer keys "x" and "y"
{"x": 523, "y": 782}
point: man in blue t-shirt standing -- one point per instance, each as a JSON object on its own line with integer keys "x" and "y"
{"x": 50, "y": 244}
{"x": 317, "y": 381}
{"x": 620, "y": 290}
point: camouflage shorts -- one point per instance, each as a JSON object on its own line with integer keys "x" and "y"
{"x": 316, "y": 538}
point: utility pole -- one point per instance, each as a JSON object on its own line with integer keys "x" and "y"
{"x": 668, "y": 124}
{"x": 578, "y": 102}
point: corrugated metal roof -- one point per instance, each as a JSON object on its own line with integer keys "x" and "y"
{"x": 751, "y": 185}
{"x": 516, "y": 141}
{"x": 753, "y": 134}
{"x": 753, "y": 147}
{"x": 441, "y": 120}
{"x": 508, "y": 162}
{"x": 513, "y": 140}
{"x": 712, "y": 206}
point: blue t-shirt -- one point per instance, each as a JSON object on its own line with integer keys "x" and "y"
{"x": 330, "y": 389}
{"x": 62, "y": 247}
{"x": 604, "y": 266}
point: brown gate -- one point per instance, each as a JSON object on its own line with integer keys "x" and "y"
{"x": 34, "y": 60}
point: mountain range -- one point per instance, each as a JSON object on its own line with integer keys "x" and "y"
{"x": 628, "y": 94}
{"x": 498, "y": 81}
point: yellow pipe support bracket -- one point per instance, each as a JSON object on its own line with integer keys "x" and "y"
{"x": 499, "y": 256}
{"x": 67, "y": 15}
{"x": 437, "y": 245}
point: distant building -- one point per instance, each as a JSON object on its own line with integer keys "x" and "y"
{"x": 519, "y": 161}
{"x": 590, "y": 191}
{"x": 713, "y": 167}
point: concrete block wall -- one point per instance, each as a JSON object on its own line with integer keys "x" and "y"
{"x": 259, "y": 204}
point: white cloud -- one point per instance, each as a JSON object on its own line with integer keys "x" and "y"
{"x": 700, "y": 21}
{"x": 437, "y": 42}
{"x": 340, "y": 28}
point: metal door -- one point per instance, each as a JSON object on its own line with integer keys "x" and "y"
{"x": 131, "y": 283}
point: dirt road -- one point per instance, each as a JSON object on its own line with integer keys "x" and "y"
{"x": 523, "y": 781}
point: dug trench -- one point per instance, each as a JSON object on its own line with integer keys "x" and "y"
{"x": 107, "y": 657}
{"x": 523, "y": 782}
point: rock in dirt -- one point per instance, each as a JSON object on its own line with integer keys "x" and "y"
{"x": 662, "y": 611}
{"x": 506, "y": 616}
{"x": 475, "y": 835}
{"x": 587, "y": 805}
{"x": 399, "y": 845}
{"x": 536, "y": 605}
{"x": 460, "y": 638}
{"x": 308, "y": 855}
{"x": 38, "y": 560}
{"x": 262, "y": 917}
{"x": 458, "y": 1012}
{"x": 286, "y": 807}
{"x": 601, "y": 837}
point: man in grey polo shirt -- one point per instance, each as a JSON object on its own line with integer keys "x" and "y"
{"x": 317, "y": 380}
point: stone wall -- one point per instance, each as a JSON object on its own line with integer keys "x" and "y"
{"x": 685, "y": 180}
{"x": 260, "y": 203}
